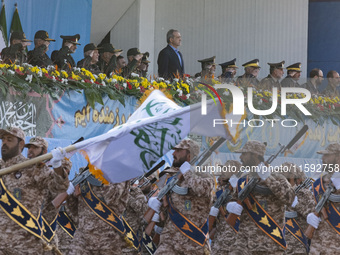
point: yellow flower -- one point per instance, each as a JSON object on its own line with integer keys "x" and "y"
{"x": 44, "y": 70}
{"x": 102, "y": 76}
{"x": 64, "y": 74}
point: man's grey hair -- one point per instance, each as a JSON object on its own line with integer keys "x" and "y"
{"x": 170, "y": 34}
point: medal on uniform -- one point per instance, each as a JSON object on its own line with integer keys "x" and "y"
{"x": 18, "y": 175}
{"x": 187, "y": 205}
{"x": 17, "y": 193}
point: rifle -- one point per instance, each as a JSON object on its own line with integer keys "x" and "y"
{"x": 320, "y": 207}
{"x": 305, "y": 184}
{"x": 222, "y": 200}
{"x": 249, "y": 187}
{"x": 57, "y": 202}
{"x": 148, "y": 173}
{"x": 169, "y": 186}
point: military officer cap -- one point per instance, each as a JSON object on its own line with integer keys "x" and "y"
{"x": 252, "y": 63}
{"x": 145, "y": 57}
{"x": 189, "y": 145}
{"x": 17, "y": 132}
{"x": 331, "y": 149}
{"x": 91, "y": 46}
{"x": 207, "y": 61}
{"x": 133, "y": 52}
{"x": 42, "y": 34}
{"x": 255, "y": 147}
{"x": 16, "y": 35}
{"x": 71, "y": 38}
{"x": 37, "y": 141}
{"x": 229, "y": 64}
{"x": 294, "y": 67}
{"x": 108, "y": 47}
{"x": 277, "y": 65}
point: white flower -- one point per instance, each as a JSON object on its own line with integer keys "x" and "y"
{"x": 176, "y": 80}
{"x": 124, "y": 85}
{"x": 92, "y": 81}
{"x": 49, "y": 68}
{"x": 152, "y": 81}
{"x": 114, "y": 80}
{"x": 180, "y": 92}
{"x": 134, "y": 75}
{"x": 82, "y": 81}
{"x": 167, "y": 81}
{"x": 188, "y": 95}
{"x": 40, "y": 73}
{"x": 260, "y": 101}
{"x": 63, "y": 80}
{"x": 11, "y": 72}
{"x": 160, "y": 79}
{"x": 29, "y": 78}
{"x": 53, "y": 78}
{"x": 95, "y": 76}
{"x": 103, "y": 83}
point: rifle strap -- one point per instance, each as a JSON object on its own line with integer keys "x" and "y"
{"x": 106, "y": 214}
{"x": 261, "y": 217}
{"x": 186, "y": 227}
{"x": 295, "y": 230}
{"x": 332, "y": 212}
{"x": 148, "y": 243}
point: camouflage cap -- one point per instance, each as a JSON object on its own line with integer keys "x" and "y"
{"x": 291, "y": 170}
{"x": 189, "y": 145}
{"x": 255, "y": 147}
{"x": 331, "y": 149}
{"x": 233, "y": 165}
{"x": 37, "y": 141}
{"x": 66, "y": 164}
{"x": 17, "y": 132}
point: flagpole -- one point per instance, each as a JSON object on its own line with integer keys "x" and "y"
{"x": 33, "y": 161}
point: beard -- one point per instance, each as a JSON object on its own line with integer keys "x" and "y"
{"x": 8, "y": 153}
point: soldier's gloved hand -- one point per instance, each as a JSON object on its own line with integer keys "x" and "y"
{"x": 295, "y": 202}
{"x": 235, "y": 208}
{"x": 313, "y": 220}
{"x": 158, "y": 229}
{"x": 336, "y": 180}
{"x": 58, "y": 155}
{"x": 154, "y": 204}
{"x": 233, "y": 181}
{"x": 70, "y": 189}
{"x": 155, "y": 217}
{"x": 213, "y": 211}
{"x": 185, "y": 167}
{"x": 262, "y": 171}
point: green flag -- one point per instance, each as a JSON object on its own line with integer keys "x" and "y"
{"x": 16, "y": 24}
{"x": 3, "y": 28}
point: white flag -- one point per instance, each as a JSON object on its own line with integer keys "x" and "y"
{"x": 129, "y": 150}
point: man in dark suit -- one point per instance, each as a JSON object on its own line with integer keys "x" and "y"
{"x": 170, "y": 59}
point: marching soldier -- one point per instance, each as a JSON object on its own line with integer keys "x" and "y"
{"x": 185, "y": 230}
{"x": 296, "y": 213}
{"x": 98, "y": 207}
{"x": 23, "y": 193}
{"x": 229, "y": 70}
{"x": 273, "y": 78}
{"x": 224, "y": 235}
{"x": 249, "y": 78}
{"x": 326, "y": 237}
{"x": 260, "y": 229}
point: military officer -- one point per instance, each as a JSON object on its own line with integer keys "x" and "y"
{"x": 16, "y": 52}
{"x": 90, "y": 60}
{"x": 293, "y": 76}
{"x": 108, "y": 58}
{"x": 273, "y": 78}
{"x": 38, "y": 56}
{"x": 249, "y": 78}
{"x": 185, "y": 230}
{"x": 208, "y": 66}
{"x": 62, "y": 58}
{"x": 134, "y": 57}
{"x": 229, "y": 70}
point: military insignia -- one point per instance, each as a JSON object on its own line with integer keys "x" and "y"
{"x": 18, "y": 175}
{"x": 187, "y": 205}
{"x": 264, "y": 204}
{"x": 17, "y": 193}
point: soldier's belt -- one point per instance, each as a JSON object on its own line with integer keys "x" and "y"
{"x": 261, "y": 217}
{"x": 295, "y": 230}
{"x": 105, "y": 213}
{"x": 332, "y": 212}
{"x": 291, "y": 214}
{"x": 186, "y": 227}
{"x": 19, "y": 213}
